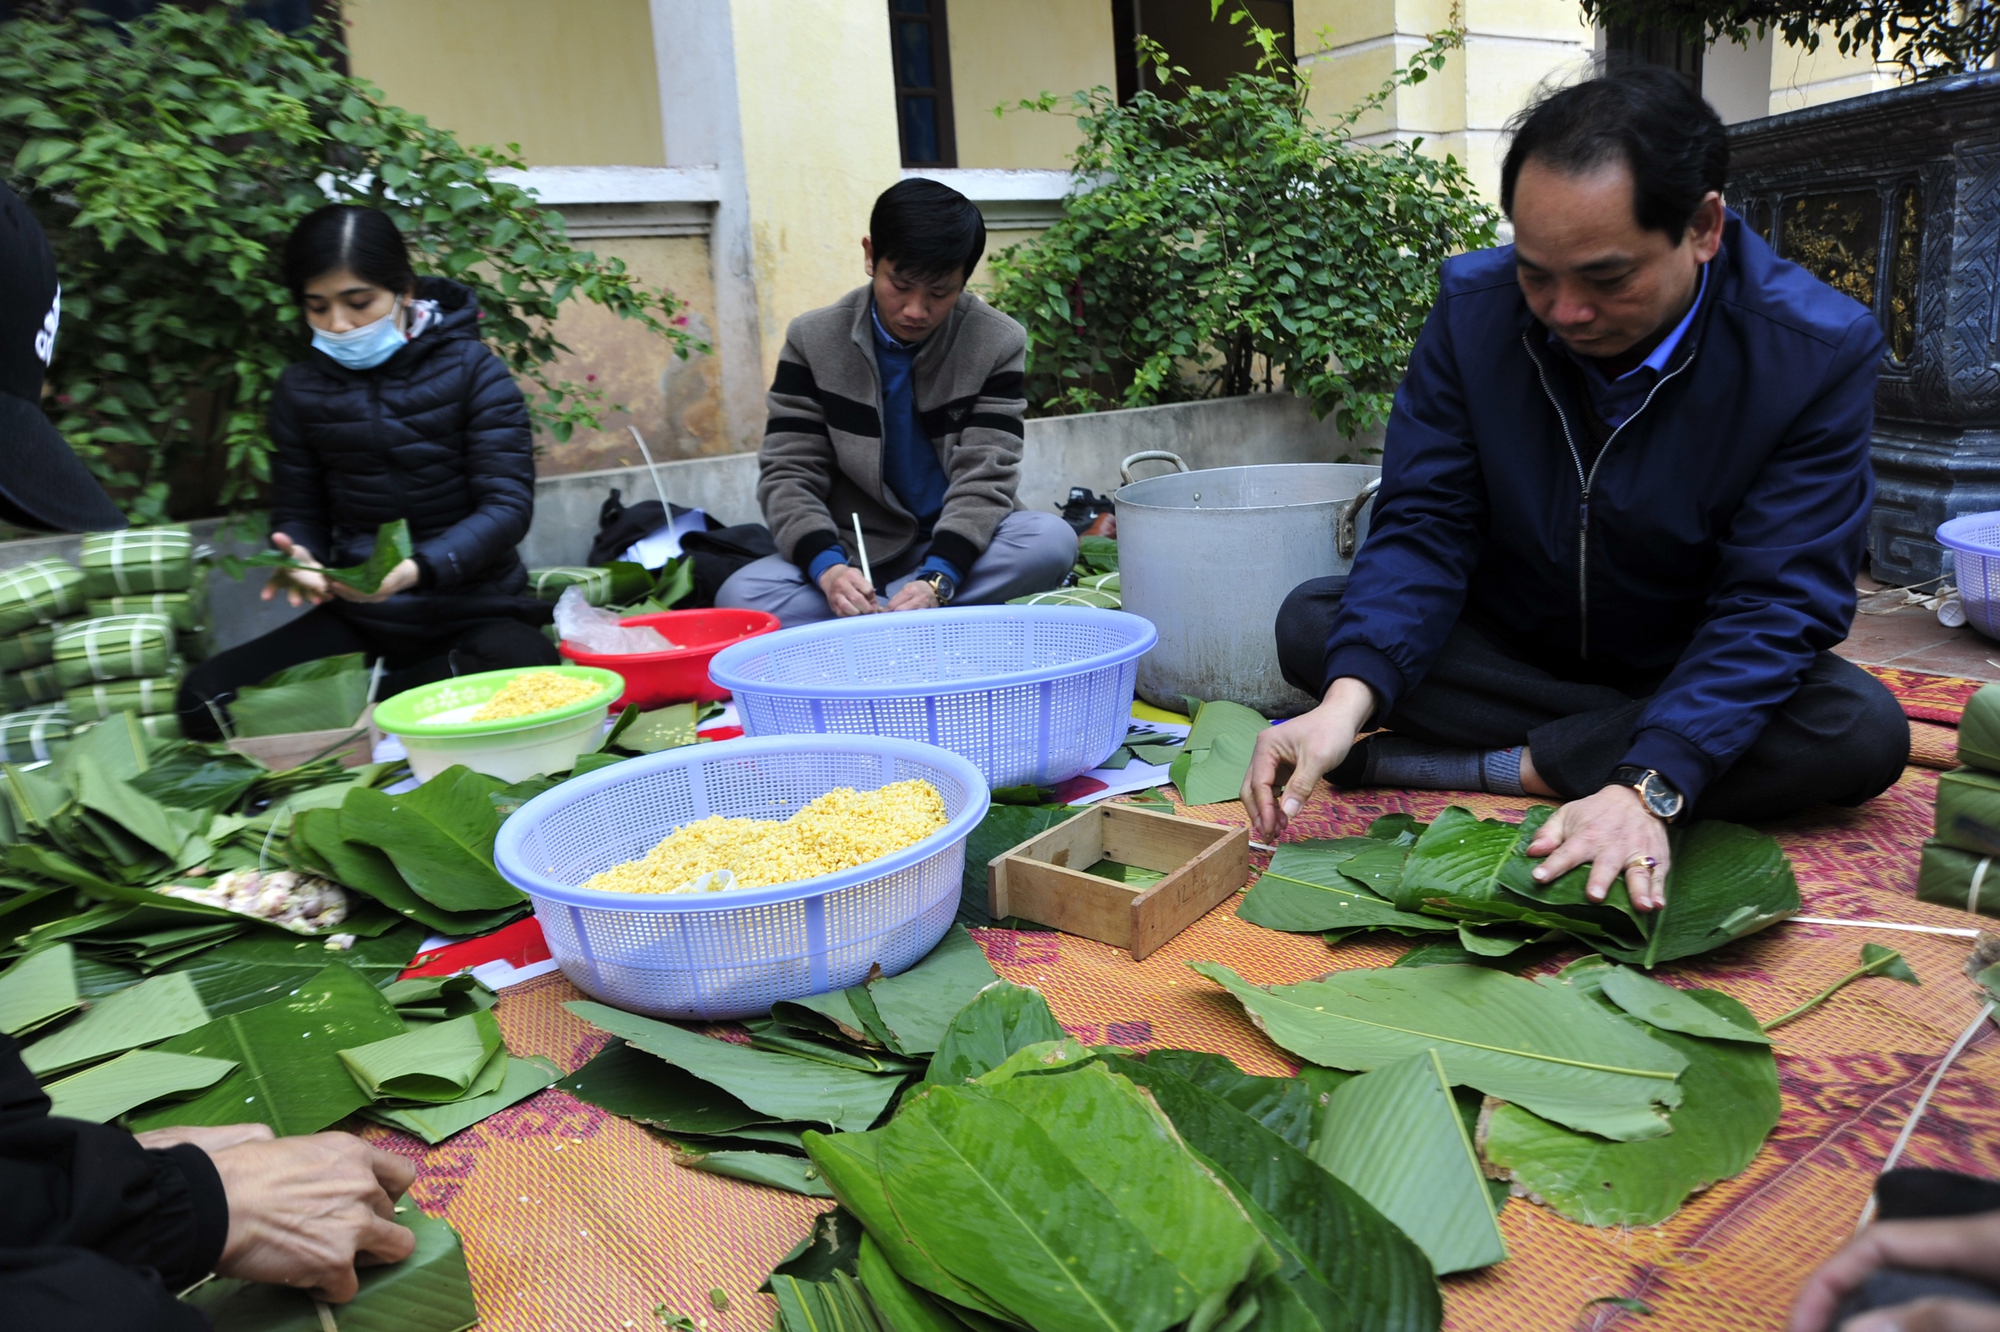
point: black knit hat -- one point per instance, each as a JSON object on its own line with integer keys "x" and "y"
{"x": 43, "y": 484}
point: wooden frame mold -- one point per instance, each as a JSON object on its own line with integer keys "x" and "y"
{"x": 1205, "y": 865}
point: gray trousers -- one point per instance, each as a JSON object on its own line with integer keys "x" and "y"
{"x": 1030, "y": 552}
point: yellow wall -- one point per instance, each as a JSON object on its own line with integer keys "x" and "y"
{"x": 572, "y": 83}
{"x": 819, "y": 143}
{"x": 1800, "y": 79}
{"x": 1006, "y": 50}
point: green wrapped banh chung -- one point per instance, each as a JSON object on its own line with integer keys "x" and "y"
{"x": 188, "y": 610}
{"x": 30, "y": 647}
{"x": 116, "y": 647}
{"x": 1979, "y": 731}
{"x": 36, "y": 685}
{"x": 1968, "y": 810}
{"x": 550, "y": 584}
{"x": 29, "y": 737}
{"x": 41, "y": 592}
{"x": 140, "y": 559}
{"x": 161, "y": 726}
{"x": 1962, "y": 879}
{"x": 95, "y": 702}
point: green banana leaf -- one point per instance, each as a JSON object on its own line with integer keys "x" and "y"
{"x": 368, "y": 870}
{"x": 851, "y": 1165}
{"x": 903, "y": 1307}
{"x": 438, "y": 998}
{"x": 1726, "y": 881}
{"x": 430, "y": 1291}
{"x": 1543, "y": 1047}
{"x": 1216, "y": 756}
{"x": 150, "y": 1011}
{"x": 1045, "y": 1057}
{"x": 781, "y": 1086}
{"x": 665, "y": 728}
{"x": 1001, "y": 1019}
{"x": 1004, "y": 828}
{"x": 1098, "y": 554}
{"x": 832, "y": 1245}
{"x": 1289, "y": 1107}
{"x": 916, "y": 1006}
{"x": 196, "y": 777}
{"x": 1147, "y": 1234}
{"x": 1730, "y": 1106}
{"x": 832, "y": 1015}
{"x": 1380, "y": 868}
{"x": 838, "y": 1304}
{"x": 1306, "y": 891}
{"x": 1463, "y": 856}
{"x": 439, "y": 837}
{"x": 1378, "y": 1277}
{"x": 793, "y": 1174}
{"x": 838, "y": 1054}
{"x": 291, "y": 1076}
{"x": 1669, "y": 1009}
{"x": 325, "y": 695}
{"x": 392, "y": 547}
{"x": 1395, "y": 1137}
{"x": 640, "y": 1087}
{"x": 133, "y": 1079}
{"x": 38, "y": 989}
{"x": 435, "y": 1063}
{"x": 247, "y": 972}
{"x": 520, "y": 1079}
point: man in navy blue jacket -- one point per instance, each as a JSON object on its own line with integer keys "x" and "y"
{"x": 1624, "y": 494}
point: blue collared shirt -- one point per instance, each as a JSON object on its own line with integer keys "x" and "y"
{"x": 1617, "y": 399}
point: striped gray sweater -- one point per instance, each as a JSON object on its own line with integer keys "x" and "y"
{"x": 822, "y": 454}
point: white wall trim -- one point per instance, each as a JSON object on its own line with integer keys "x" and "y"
{"x": 561, "y": 186}
{"x": 1009, "y": 198}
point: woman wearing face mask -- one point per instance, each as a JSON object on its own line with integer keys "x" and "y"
{"x": 399, "y": 411}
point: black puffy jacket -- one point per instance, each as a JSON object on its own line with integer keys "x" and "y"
{"x": 437, "y": 434}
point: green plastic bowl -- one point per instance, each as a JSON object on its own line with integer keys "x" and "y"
{"x": 512, "y": 750}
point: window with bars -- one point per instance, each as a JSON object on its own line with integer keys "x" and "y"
{"x": 921, "y": 50}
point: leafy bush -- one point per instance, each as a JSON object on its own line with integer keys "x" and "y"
{"x": 1927, "y": 38}
{"x": 1218, "y": 232}
{"x": 168, "y": 158}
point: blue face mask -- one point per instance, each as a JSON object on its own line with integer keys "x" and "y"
{"x": 366, "y": 347}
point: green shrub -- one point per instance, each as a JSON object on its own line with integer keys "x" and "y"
{"x": 1216, "y": 239}
{"x": 168, "y": 158}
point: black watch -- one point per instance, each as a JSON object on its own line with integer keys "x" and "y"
{"x": 941, "y": 586}
{"x": 1661, "y": 798}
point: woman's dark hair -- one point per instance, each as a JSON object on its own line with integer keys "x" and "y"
{"x": 929, "y": 231}
{"x": 362, "y": 240}
{"x": 1643, "y": 115}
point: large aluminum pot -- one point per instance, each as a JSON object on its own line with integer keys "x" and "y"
{"x": 1209, "y": 556}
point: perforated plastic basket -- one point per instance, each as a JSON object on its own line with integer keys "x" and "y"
{"x": 1974, "y": 538}
{"x": 727, "y": 955}
{"x": 1032, "y": 694}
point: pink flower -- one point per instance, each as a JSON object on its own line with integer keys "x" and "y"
{"x": 590, "y": 379}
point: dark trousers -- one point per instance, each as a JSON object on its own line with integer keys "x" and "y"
{"x": 489, "y": 645}
{"x": 1911, "y": 1195}
{"x": 1841, "y": 739}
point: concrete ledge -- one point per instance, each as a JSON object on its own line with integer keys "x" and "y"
{"x": 1060, "y": 452}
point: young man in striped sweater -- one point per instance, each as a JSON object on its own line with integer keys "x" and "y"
{"x": 900, "y": 406}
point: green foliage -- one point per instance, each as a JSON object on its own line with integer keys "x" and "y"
{"x": 1219, "y": 237}
{"x": 1928, "y": 38}
{"x": 169, "y": 157}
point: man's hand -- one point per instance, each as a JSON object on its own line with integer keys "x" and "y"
{"x": 847, "y": 591}
{"x": 1966, "y": 1246}
{"x": 403, "y": 576}
{"x": 303, "y": 1212}
{"x": 1290, "y": 758}
{"x": 209, "y": 1139}
{"x": 298, "y": 585}
{"x": 1612, "y": 830}
{"x": 914, "y": 595}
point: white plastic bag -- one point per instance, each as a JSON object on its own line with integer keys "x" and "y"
{"x": 589, "y": 629}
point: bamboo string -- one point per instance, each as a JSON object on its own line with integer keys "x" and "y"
{"x": 1923, "y": 1103}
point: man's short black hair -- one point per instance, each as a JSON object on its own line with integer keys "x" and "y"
{"x": 1644, "y": 115}
{"x": 929, "y": 231}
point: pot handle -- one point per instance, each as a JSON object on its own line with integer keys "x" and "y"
{"x": 1350, "y": 518}
{"x": 1150, "y": 455}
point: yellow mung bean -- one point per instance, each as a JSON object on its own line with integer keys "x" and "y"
{"x": 833, "y": 832}
{"x": 537, "y": 691}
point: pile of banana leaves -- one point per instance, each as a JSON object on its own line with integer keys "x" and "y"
{"x": 1465, "y": 885}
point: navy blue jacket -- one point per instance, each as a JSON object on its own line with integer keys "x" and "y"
{"x": 436, "y": 434}
{"x": 1717, "y": 551}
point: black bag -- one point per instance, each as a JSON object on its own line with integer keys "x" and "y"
{"x": 720, "y": 552}
{"x": 620, "y": 524}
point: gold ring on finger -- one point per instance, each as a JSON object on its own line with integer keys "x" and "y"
{"x": 1646, "y": 863}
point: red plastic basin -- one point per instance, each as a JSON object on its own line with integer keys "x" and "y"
{"x": 655, "y": 679}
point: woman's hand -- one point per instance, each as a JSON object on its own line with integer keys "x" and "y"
{"x": 400, "y": 578}
{"x": 299, "y": 585}
{"x": 1966, "y": 1246}
{"x": 847, "y": 591}
{"x": 1289, "y": 759}
{"x": 1613, "y": 831}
